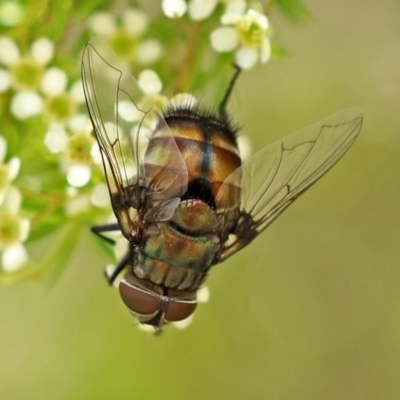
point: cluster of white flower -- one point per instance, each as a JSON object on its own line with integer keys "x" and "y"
{"x": 14, "y": 229}
{"x": 125, "y": 35}
{"x": 244, "y": 30}
{"x": 37, "y": 89}
{"x": 41, "y": 90}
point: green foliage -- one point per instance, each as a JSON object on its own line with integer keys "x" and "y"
{"x": 294, "y": 10}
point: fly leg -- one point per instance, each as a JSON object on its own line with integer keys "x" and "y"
{"x": 126, "y": 259}
{"x": 99, "y": 231}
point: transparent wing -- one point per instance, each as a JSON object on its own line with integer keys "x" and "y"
{"x": 124, "y": 132}
{"x": 275, "y": 176}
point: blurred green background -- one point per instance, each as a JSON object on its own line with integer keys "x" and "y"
{"x": 310, "y": 310}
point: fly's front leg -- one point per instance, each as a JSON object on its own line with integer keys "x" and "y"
{"x": 126, "y": 260}
{"x": 100, "y": 229}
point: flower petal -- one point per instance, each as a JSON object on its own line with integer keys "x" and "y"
{"x": 135, "y": 21}
{"x": 54, "y": 82}
{"x": 11, "y": 13}
{"x": 265, "y": 51}
{"x": 80, "y": 123}
{"x": 102, "y": 23}
{"x": 201, "y": 9}
{"x": 100, "y": 196}
{"x": 25, "y": 104}
{"x": 224, "y": 39}
{"x": 56, "y": 138}
{"x": 234, "y": 8}
{"x": 42, "y": 50}
{"x": 78, "y": 175}
{"x": 246, "y": 57}
{"x": 14, "y": 257}
{"x": 203, "y": 295}
{"x": 148, "y": 51}
{"x": 14, "y": 165}
{"x": 149, "y": 82}
{"x": 24, "y": 227}
{"x": 12, "y": 200}
{"x": 9, "y": 51}
{"x": 5, "y": 80}
{"x": 234, "y": 12}
{"x": 244, "y": 145}
{"x": 184, "y": 323}
{"x": 128, "y": 112}
{"x": 3, "y": 148}
{"x": 174, "y": 8}
{"x": 77, "y": 92}
{"x": 259, "y": 18}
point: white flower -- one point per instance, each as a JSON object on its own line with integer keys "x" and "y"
{"x": 247, "y": 33}
{"x": 198, "y": 10}
{"x": 151, "y": 86}
{"x": 124, "y": 34}
{"x": 28, "y": 77}
{"x": 25, "y": 72}
{"x": 76, "y": 144}
{"x": 8, "y": 171}
{"x": 60, "y": 109}
{"x": 78, "y": 158}
{"x": 38, "y": 89}
{"x": 14, "y": 230}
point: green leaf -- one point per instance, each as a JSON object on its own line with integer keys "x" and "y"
{"x": 294, "y": 10}
{"x": 57, "y": 260}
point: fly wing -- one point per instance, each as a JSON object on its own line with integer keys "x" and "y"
{"x": 279, "y": 173}
{"x": 123, "y": 130}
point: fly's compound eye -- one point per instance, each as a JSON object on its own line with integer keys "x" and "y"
{"x": 178, "y": 310}
{"x": 137, "y": 300}
{"x": 146, "y": 304}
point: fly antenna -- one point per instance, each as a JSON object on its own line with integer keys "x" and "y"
{"x": 224, "y": 102}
